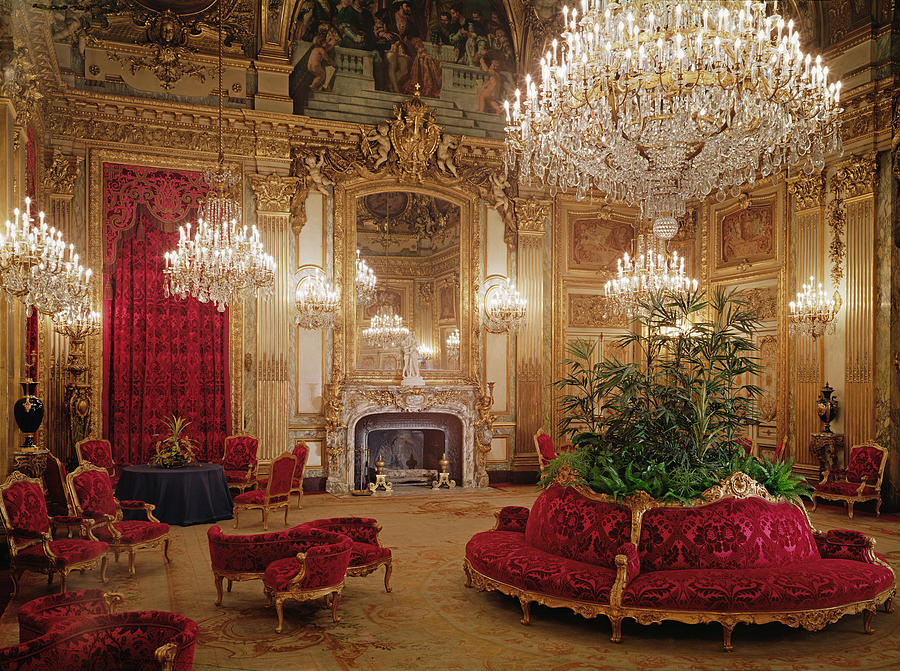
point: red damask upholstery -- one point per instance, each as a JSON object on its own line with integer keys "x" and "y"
{"x": 275, "y": 495}
{"x": 137, "y": 641}
{"x": 92, "y": 494}
{"x": 821, "y": 583}
{"x": 240, "y": 460}
{"x": 318, "y": 571}
{"x": 565, "y": 523}
{"x": 367, "y": 553}
{"x": 546, "y": 451}
{"x": 860, "y": 481}
{"x": 37, "y": 616}
{"x": 512, "y": 518}
{"x": 27, "y": 529}
{"x": 99, "y": 453}
{"x": 301, "y": 451}
{"x": 54, "y": 479}
{"x": 726, "y": 534}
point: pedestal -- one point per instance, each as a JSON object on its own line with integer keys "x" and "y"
{"x": 30, "y": 462}
{"x": 825, "y": 447}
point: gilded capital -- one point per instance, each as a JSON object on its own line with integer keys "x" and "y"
{"x": 531, "y": 214}
{"x": 856, "y": 177}
{"x": 273, "y": 192}
{"x": 59, "y": 178}
{"x": 807, "y": 191}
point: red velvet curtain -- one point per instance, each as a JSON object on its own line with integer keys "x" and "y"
{"x": 31, "y": 323}
{"x": 162, "y": 356}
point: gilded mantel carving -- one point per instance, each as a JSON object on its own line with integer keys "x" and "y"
{"x": 59, "y": 178}
{"x": 273, "y": 193}
{"x": 853, "y": 178}
{"x": 807, "y": 191}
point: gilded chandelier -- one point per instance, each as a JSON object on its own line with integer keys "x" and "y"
{"x": 649, "y": 273}
{"x": 386, "y": 330}
{"x": 503, "y": 308}
{"x": 365, "y": 282}
{"x": 813, "y": 313}
{"x": 222, "y": 259}
{"x": 656, "y": 102}
{"x": 317, "y": 302}
{"x": 452, "y": 344}
{"x": 38, "y": 267}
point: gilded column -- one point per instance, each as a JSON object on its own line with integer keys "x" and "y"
{"x": 274, "y": 315}
{"x": 852, "y": 251}
{"x": 807, "y": 207}
{"x": 531, "y": 216}
{"x": 69, "y": 386}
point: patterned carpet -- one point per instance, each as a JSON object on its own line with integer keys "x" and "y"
{"x": 432, "y": 621}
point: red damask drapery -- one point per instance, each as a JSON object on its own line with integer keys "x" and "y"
{"x": 31, "y": 323}
{"x": 160, "y": 355}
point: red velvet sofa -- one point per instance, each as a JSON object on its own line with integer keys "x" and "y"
{"x": 736, "y": 556}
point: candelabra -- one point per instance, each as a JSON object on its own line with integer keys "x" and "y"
{"x": 78, "y": 323}
{"x": 317, "y": 301}
{"x": 385, "y": 330}
{"x": 650, "y": 273}
{"x": 451, "y": 345}
{"x": 38, "y": 267}
{"x": 365, "y": 282}
{"x": 655, "y": 102}
{"x": 503, "y": 310}
{"x": 813, "y": 313}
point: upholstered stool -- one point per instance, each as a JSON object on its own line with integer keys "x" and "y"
{"x": 316, "y": 571}
{"x": 367, "y": 553}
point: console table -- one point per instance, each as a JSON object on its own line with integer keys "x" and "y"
{"x": 195, "y": 494}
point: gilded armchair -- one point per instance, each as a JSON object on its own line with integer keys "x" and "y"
{"x": 860, "y": 481}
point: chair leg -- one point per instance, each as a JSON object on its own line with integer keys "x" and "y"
{"x": 166, "y": 551}
{"x": 229, "y": 585}
{"x": 727, "y": 628}
{"x": 299, "y": 499}
{"x": 868, "y": 616}
{"x": 131, "y": 554}
{"x": 526, "y": 610}
{"x": 234, "y": 514}
{"x": 218, "y": 580}
{"x": 850, "y": 509}
{"x": 63, "y": 580}
{"x": 336, "y": 599}
{"x": 878, "y": 507}
{"x": 287, "y": 507}
{"x": 889, "y": 605}
{"x": 387, "y": 577}
{"x": 15, "y": 575}
{"x": 616, "y": 623}
{"x": 49, "y": 577}
{"x": 265, "y": 519}
{"x": 280, "y": 612}
{"x": 814, "y": 502}
{"x": 103, "y": 564}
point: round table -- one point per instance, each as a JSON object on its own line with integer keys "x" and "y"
{"x": 195, "y": 494}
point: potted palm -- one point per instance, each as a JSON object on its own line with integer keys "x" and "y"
{"x": 177, "y": 448}
{"x": 672, "y": 422}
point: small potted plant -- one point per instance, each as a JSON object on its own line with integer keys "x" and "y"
{"x": 177, "y": 449}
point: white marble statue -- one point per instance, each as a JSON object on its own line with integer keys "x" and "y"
{"x": 412, "y": 377}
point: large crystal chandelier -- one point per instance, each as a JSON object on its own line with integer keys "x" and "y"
{"x": 656, "y": 102}
{"x": 813, "y": 313}
{"x": 38, "y": 267}
{"x": 365, "y": 282}
{"x": 451, "y": 345}
{"x": 503, "y": 308}
{"x": 221, "y": 259}
{"x": 649, "y": 273}
{"x": 317, "y": 302}
{"x": 386, "y": 330}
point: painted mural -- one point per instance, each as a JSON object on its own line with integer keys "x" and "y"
{"x": 748, "y": 235}
{"x": 413, "y": 45}
{"x": 598, "y": 244}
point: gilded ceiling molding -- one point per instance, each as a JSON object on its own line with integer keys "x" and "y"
{"x": 22, "y": 84}
{"x": 59, "y": 178}
{"x": 273, "y": 193}
{"x": 807, "y": 191}
{"x": 855, "y": 177}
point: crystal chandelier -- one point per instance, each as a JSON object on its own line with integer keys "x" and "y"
{"x": 657, "y": 102}
{"x": 452, "y": 344}
{"x": 425, "y": 353}
{"x": 813, "y": 313}
{"x": 38, "y": 267}
{"x": 386, "y": 330}
{"x": 503, "y": 308}
{"x": 365, "y": 282}
{"x": 221, "y": 260}
{"x": 649, "y": 273}
{"x": 317, "y": 302}
{"x": 78, "y": 322}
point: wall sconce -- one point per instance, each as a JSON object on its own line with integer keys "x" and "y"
{"x": 317, "y": 301}
{"x": 501, "y": 308}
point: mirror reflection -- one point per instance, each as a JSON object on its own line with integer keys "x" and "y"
{"x": 411, "y": 243}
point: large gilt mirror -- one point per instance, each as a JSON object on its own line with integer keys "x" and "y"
{"x": 415, "y": 243}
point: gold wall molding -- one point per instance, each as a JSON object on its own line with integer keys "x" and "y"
{"x": 853, "y": 178}
{"x": 273, "y": 193}
{"x": 763, "y": 301}
{"x": 589, "y": 311}
{"x": 807, "y": 191}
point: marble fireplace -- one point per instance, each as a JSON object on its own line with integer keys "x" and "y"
{"x": 413, "y": 423}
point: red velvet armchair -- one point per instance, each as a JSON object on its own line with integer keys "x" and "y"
{"x": 546, "y": 450}
{"x": 132, "y": 640}
{"x": 367, "y": 553}
{"x": 240, "y": 461}
{"x": 59, "y": 506}
{"x": 276, "y": 493}
{"x": 38, "y": 615}
{"x": 98, "y": 452}
{"x": 301, "y": 451}
{"x": 317, "y": 571}
{"x": 23, "y": 513}
{"x": 860, "y": 481}
{"x": 91, "y": 490}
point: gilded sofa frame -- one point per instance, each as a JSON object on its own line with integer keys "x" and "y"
{"x": 858, "y": 497}
{"x": 737, "y": 485}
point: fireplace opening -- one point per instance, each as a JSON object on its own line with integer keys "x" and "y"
{"x": 410, "y": 445}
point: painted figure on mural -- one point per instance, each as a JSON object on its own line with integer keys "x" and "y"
{"x": 315, "y": 68}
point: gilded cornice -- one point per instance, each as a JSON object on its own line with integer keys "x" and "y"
{"x": 273, "y": 192}
{"x": 59, "y": 178}
{"x": 856, "y": 177}
{"x": 807, "y": 191}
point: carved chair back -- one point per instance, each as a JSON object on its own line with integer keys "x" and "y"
{"x": 241, "y": 452}
{"x": 281, "y": 476}
{"x": 96, "y": 451}
{"x": 23, "y": 511}
{"x": 866, "y": 463}
{"x": 92, "y": 493}
{"x": 301, "y": 451}
{"x": 543, "y": 445}
{"x": 54, "y": 478}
